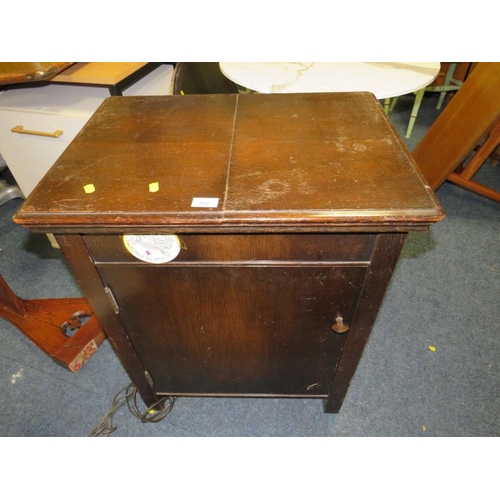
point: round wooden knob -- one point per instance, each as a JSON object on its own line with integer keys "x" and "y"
{"x": 339, "y": 326}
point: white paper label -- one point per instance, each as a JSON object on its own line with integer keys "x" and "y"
{"x": 153, "y": 248}
{"x": 205, "y": 202}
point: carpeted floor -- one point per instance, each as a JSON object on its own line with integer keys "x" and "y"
{"x": 445, "y": 293}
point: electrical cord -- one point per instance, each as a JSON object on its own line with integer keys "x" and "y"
{"x": 128, "y": 396}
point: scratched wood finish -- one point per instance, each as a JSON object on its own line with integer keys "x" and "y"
{"x": 21, "y": 72}
{"x": 316, "y": 193}
{"x": 288, "y": 160}
{"x": 235, "y": 330}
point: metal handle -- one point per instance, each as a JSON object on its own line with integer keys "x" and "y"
{"x": 19, "y": 129}
{"x": 339, "y": 326}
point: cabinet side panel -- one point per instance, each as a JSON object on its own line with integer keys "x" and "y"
{"x": 384, "y": 259}
{"x": 76, "y": 253}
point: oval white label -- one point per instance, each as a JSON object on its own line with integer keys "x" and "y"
{"x": 153, "y": 248}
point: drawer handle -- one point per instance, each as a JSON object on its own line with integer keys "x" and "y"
{"x": 19, "y": 129}
{"x": 339, "y": 326}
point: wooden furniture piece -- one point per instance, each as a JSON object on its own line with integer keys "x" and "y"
{"x": 67, "y": 330}
{"x": 384, "y": 79}
{"x": 250, "y": 254}
{"x": 470, "y": 120}
{"x": 22, "y": 72}
{"x": 115, "y": 76}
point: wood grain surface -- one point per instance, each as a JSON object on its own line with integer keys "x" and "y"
{"x": 297, "y": 159}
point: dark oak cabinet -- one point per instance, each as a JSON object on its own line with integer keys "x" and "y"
{"x": 235, "y": 245}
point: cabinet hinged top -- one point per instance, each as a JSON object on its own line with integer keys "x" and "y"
{"x": 302, "y": 160}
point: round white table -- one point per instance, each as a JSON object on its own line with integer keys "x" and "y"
{"x": 385, "y": 80}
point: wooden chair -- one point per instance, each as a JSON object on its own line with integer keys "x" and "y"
{"x": 470, "y": 124}
{"x": 201, "y": 78}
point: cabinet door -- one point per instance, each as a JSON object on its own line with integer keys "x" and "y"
{"x": 236, "y": 329}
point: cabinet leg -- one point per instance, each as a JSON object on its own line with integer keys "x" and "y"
{"x": 331, "y": 405}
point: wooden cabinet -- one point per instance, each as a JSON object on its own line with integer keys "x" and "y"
{"x": 287, "y": 214}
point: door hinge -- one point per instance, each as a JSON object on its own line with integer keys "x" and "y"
{"x": 148, "y": 377}
{"x": 112, "y": 300}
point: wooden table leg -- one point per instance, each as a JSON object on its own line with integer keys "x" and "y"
{"x": 468, "y": 117}
{"x": 67, "y": 330}
{"x": 463, "y": 175}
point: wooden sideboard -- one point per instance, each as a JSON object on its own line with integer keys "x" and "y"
{"x": 235, "y": 245}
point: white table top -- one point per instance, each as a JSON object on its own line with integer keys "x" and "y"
{"x": 382, "y": 79}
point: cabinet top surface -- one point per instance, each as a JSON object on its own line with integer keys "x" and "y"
{"x": 250, "y": 159}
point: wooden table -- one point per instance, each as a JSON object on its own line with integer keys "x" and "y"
{"x": 235, "y": 245}
{"x": 385, "y": 79}
{"x": 25, "y": 72}
{"x": 116, "y": 76}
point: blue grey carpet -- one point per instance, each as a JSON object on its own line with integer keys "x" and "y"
{"x": 445, "y": 293}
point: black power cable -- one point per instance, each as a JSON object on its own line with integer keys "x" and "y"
{"x": 128, "y": 396}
